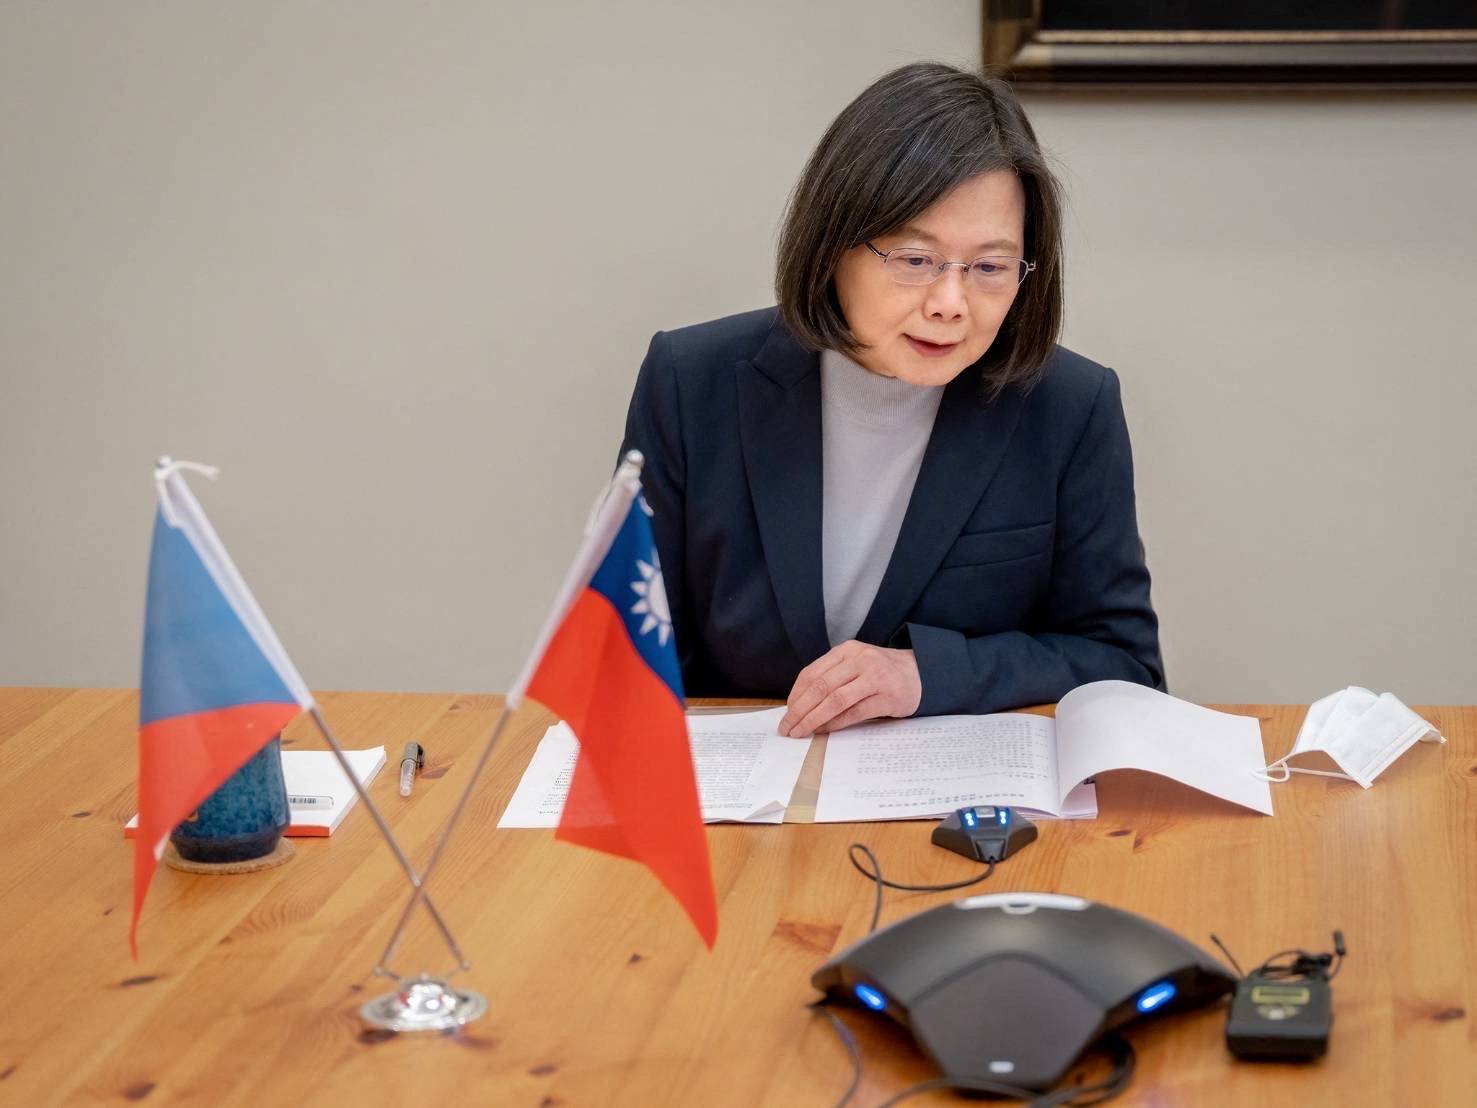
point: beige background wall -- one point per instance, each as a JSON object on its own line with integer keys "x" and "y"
{"x": 393, "y": 266}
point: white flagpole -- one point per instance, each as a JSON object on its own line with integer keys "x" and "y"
{"x": 605, "y": 521}
{"x": 181, "y": 510}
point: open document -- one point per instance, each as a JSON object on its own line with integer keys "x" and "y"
{"x": 919, "y": 768}
{"x": 927, "y": 767}
{"x": 745, "y": 771}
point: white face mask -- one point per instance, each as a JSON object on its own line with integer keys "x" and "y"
{"x": 1362, "y": 733}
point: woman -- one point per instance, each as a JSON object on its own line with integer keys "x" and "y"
{"x": 893, "y": 494}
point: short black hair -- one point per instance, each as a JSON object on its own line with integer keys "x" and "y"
{"x": 909, "y": 139}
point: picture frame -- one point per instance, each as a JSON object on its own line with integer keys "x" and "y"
{"x": 1333, "y": 44}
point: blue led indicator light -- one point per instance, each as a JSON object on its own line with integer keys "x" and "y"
{"x": 970, "y": 819}
{"x": 871, "y": 997}
{"x": 1004, "y": 814}
{"x": 1156, "y": 996}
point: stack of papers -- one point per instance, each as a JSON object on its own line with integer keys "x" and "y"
{"x": 927, "y": 767}
{"x": 313, "y": 775}
{"x": 319, "y": 796}
{"x": 745, "y": 771}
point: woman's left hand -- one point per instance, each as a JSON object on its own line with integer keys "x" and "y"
{"x": 850, "y": 683}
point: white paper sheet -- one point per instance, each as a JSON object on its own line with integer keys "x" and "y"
{"x": 317, "y": 774}
{"x": 1117, "y": 725}
{"x": 745, "y": 772}
{"x": 928, "y": 767}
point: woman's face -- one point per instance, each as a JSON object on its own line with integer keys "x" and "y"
{"x": 985, "y": 215}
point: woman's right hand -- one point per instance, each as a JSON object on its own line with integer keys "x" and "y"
{"x": 851, "y": 683}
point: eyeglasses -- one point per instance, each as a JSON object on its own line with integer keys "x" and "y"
{"x": 912, "y": 265}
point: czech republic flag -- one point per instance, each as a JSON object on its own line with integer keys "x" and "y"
{"x": 606, "y": 663}
{"x": 217, "y": 685}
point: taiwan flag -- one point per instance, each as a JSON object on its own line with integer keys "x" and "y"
{"x": 216, "y": 686}
{"x": 606, "y": 663}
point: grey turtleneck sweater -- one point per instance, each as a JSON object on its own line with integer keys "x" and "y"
{"x": 873, "y": 433}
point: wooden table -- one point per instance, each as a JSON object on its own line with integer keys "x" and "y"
{"x": 601, "y": 994}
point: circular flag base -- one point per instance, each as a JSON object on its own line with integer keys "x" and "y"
{"x": 423, "y": 1003}
{"x": 283, "y": 852}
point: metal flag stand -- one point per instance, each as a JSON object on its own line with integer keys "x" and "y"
{"x": 421, "y": 1003}
{"x": 425, "y": 1002}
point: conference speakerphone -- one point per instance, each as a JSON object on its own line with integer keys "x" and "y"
{"x": 1013, "y": 987}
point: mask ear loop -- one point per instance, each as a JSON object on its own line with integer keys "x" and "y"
{"x": 1321, "y": 773}
{"x": 1266, "y": 774}
{"x": 1288, "y": 771}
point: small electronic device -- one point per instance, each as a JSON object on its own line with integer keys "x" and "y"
{"x": 1283, "y": 1009}
{"x": 1014, "y": 987}
{"x": 985, "y": 834}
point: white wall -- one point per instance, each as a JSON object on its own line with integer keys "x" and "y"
{"x": 284, "y": 239}
{"x": 1288, "y": 285}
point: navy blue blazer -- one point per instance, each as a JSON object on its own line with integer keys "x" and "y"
{"x": 1018, "y": 573}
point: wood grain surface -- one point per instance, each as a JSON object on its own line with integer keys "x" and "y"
{"x": 600, "y": 993}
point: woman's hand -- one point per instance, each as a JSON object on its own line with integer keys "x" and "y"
{"x": 850, "y": 683}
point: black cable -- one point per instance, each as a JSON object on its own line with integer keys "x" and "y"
{"x": 848, "y": 1040}
{"x": 1270, "y": 968}
{"x": 965, "y": 1084}
{"x": 1117, "y": 1081}
{"x": 875, "y": 874}
{"x": 1302, "y": 963}
{"x": 1111, "y": 1086}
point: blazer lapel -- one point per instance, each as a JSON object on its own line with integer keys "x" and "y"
{"x": 779, "y": 396}
{"x": 963, "y": 453}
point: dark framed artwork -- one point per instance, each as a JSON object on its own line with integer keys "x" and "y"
{"x": 1200, "y": 43}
